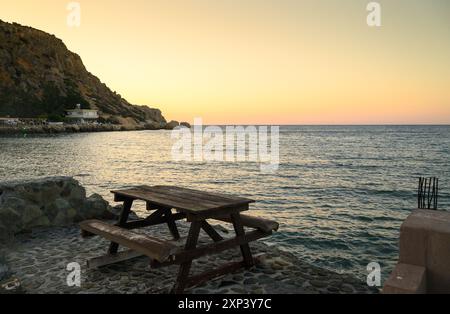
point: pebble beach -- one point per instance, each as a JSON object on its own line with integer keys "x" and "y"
{"x": 38, "y": 261}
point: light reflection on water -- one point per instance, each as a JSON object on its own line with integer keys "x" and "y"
{"x": 340, "y": 194}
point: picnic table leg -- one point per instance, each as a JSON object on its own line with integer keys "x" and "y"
{"x": 185, "y": 268}
{"x": 114, "y": 247}
{"x": 172, "y": 224}
{"x": 211, "y": 231}
{"x": 245, "y": 248}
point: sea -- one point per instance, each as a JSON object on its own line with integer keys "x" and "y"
{"x": 340, "y": 193}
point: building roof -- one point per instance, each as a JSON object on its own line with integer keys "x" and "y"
{"x": 81, "y": 110}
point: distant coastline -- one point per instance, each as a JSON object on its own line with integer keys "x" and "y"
{"x": 57, "y": 129}
{"x": 85, "y": 128}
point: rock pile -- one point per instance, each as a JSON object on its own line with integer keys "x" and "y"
{"x": 59, "y": 201}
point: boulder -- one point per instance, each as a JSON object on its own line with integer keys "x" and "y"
{"x": 57, "y": 201}
{"x": 172, "y": 125}
{"x": 75, "y": 194}
{"x": 6, "y": 234}
{"x": 65, "y": 216}
{"x": 185, "y": 124}
{"x": 39, "y": 222}
{"x": 60, "y": 212}
{"x": 117, "y": 210}
{"x": 95, "y": 207}
{"x": 10, "y": 222}
{"x": 33, "y": 217}
{"x": 153, "y": 125}
{"x": 53, "y": 208}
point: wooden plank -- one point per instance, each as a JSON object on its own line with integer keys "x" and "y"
{"x": 204, "y": 198}
{"x": 173, "y": 201}
{"x": 114, "y": 247}
{"x": 154, "y": 199}
{"x": 154, "y": 248}
{"x": 189, "y": 194}
{"x": 211, "y": 231}
{"x": 196, "y": 194}
{"x": 192, "y": 200}
{"x": 182, "y": 199}
{"x": 142, "y": 223}
{"x": 212, "y": 248}
{"x": 109, "y": 259}
{"x": 254, "y": 222}
{"x": 216, "y": 213}
{"x": 189, "y": 202}
{"x": 150, "y": 220}
{"x": 151, "y": 207}
{"x": 155, "y": 193}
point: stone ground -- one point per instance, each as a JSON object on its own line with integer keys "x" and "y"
{"x": 39, "y": 260}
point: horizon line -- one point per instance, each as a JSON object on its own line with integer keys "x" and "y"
{"x": 340, "y": 124}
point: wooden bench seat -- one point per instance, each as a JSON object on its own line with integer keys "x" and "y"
{"x": 262, "y": 224}
{"x": 154, "y": 248}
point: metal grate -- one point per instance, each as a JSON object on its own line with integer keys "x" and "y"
{"x": 427, "y": 196}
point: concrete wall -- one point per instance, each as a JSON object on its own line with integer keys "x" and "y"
{"x": 424, "y": 262}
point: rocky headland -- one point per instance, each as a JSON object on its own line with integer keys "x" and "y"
{"x": 41, "y": 79}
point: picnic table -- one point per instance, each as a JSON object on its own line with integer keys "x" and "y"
{"x": 196, "y": 207}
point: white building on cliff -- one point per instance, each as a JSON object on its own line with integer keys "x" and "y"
{"x": 82, "y": 115}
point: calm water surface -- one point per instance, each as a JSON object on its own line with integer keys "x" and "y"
{"x": 340, "y": 194}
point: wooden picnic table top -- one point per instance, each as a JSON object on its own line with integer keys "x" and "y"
{"x": 183, "y": 199}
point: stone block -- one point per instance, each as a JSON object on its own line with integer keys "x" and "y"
{"x": 406, "y": 279}
{"x": 425, "y": 242}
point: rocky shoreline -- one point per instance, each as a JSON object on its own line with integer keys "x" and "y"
{"x": 39, "y": 237}
{"x": 84, "y": 128}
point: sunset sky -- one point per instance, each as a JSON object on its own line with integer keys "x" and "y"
{"x": 262, "y": 61}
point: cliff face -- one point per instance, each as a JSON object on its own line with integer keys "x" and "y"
{"x": 39, "y": 76}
